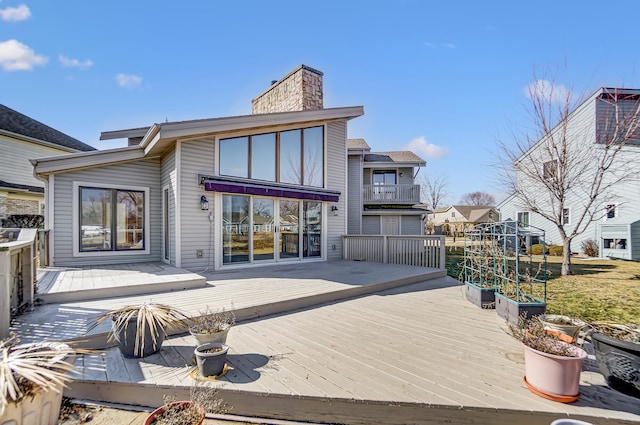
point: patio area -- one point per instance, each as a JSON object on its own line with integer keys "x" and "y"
{"x": 344, "y": 342}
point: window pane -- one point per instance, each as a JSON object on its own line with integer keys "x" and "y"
{"x": 235, "y": 229}
{"x": 95, "y": 219}
{"x": 313, "y": 157}
{"x": 263, "y": 229}
{"x": 312, "y": 229}
{"x": 234, "y": 157}
{"x": 263, "y": 157}
{"x": 130, "y": 220}
{"x": 290, "y": 157}
{"x": 289, "y": 237}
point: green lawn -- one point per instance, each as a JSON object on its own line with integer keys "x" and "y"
{"x": 598, "y": 289}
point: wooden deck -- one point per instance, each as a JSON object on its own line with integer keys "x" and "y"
{"x": 415, "y": 353}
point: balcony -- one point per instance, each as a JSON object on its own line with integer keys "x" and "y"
{"x": 391, "y": 194}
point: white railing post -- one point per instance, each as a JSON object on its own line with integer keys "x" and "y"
{"x": 385, "y": 249}
{"x": 443, "y": 253}
{"x": 5, "y": 292}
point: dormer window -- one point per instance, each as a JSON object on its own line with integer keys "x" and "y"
{"x": 550, "y": 169}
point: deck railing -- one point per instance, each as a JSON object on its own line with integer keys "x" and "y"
{"x": 422, "y": 251}
{"x": 17, "y": 273}
{"x": 391, "y": 193}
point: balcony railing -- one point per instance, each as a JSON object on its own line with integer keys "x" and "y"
{"x": 422, "y": 251}
{"x": 391, "y": 193}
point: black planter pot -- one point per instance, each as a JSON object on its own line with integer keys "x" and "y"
{"x": 511, "y": 310}
{"x": 619, "y": 363}
{"x": 211, "y": 364}
{"x": 481, "y": 297}
{"x": 126, "y": 339}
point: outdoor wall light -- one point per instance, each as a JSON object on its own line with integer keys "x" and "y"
{"x": 204, "y": 204}
{"x": 334, "y": 209}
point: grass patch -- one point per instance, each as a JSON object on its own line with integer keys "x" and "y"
{"x": 606, "y": 290}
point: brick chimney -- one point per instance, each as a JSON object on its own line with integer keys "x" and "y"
{"x": 299, "y": 90}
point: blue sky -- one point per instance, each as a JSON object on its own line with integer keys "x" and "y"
{"x": 445, "y": 79}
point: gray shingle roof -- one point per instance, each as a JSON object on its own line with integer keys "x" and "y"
{"x": 358, "y": 144}
{"x": 8, "y": 185}
{"x": 18, "y": 123}
{"x": 399, "y": 156}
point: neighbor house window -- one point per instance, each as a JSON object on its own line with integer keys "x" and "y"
{"x": 292, "y": 156}
{"x": 111, "y": 219}
{"x": 550, "y": 169}
{"x": 610, "y": 211}
{"x": 523, "y": 218}
{"x": 566, "y": 216}
{"x": 615, "y": 244}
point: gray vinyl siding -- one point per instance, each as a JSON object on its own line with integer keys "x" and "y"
{"x": 371, "y": 225}
{"x": 411, "y": 225}
{"x": 354, "y": 195}
{"x": 635, "y": 241}
{"x": 169, "y": 178}
{"x": 196, "y": 157}
{"x": 14, "y": 160}
{"x": 336, "y": 166}
{"x": 143, "y": 173}
{"x": 407, "y": 175}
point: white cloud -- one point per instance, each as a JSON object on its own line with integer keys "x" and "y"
{"x": 128, "y": 80}
{"x": 422, "y": 147}
{"x": 449, "y": 45}
{"x": 15, "y": 56}
{"x": 548, "y": 91}
{"x": 75, "y": 63}
{"x": 15, "y": 14}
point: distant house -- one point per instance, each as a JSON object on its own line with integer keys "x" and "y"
{"x": 616, "y": 224}
{"x": 237, "y": 191}
{"x": 23, "y": 138}
{"x": 454, "y": 220}
{"x": 384, "y": 198}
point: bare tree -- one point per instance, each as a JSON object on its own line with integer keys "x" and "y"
{"x": 569, "y": 162}
{"x": 433, "y": 190}
{"x": 478, "y": 199}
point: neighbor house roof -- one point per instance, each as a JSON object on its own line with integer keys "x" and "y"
{"x": 358, "y": 144}
{"x": 473, "y": 214}
{"x": 14, "y": 123}
{"x": 20, "y": 187}
{"x": 159, "y": 136}
{"x": 394, "y": 157}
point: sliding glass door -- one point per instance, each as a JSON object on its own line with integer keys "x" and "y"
{"x": 256, "y": 229}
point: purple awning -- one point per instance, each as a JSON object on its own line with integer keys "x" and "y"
{"x": 271, "y": 190}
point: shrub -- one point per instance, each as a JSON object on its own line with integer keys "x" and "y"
{"x": 556, "y": 250}
{"x": 590, "y": 247}
{"x": 535, "y": 249}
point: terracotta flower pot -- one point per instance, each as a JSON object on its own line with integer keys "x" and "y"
{"x": 553, "y": 375}
{"x": 179, "y": 405}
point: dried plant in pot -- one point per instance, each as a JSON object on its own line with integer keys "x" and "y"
{"x": 32, "y": 377}
{"x": 187, "y": 412}
{"x": 141, "y": 329}
{"x": 212, "y": 326}
{"x": 566, "y": 328}
{"x": 617, "y": 349}
{"x": 552, "y": 366}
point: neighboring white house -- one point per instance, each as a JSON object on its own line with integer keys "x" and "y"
{"x": 213, "y": 193}
{"x": 455, "y": 219}
{"x": 383, "y": 196}
{"x": 23, "y": 138}
{"x": 616, "y": 227}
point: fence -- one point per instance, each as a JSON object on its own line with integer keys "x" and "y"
{"x": 422, "y": 251}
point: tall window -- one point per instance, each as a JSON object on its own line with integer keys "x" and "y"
{"x": 523, "y": 218}
{"x": 292, "y": 156}
{"x": 566, "y": 216}
{"x": 550, "y": 169}
{"x": 111, "y": 220}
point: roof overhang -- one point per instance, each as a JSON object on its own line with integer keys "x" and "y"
{"x": 86, "y": 159}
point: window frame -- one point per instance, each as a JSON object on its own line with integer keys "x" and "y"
{"x": 278, "y": 151}
{"x": 528, "y": 213}
{"x": 616, "y": 211}
{"x": 548, "y": 172}
{"x": 75, "y": 222}
{"x": 568, "y": 221}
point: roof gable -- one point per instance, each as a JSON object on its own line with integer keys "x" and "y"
{"x": 14, "y": 122}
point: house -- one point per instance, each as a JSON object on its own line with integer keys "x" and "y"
{"x": 22, "y": 138}
{"x": 615, "y": 226}
{"x": 383, "y": 196}
{"x": 212, "y": 193}
{"x": 455, "y": 219}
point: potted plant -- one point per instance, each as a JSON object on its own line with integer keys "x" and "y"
{"x": 212, "y": 326}
{"x": 188, "y": 412}
{"x": 617, "y": 349}
{"x": 564, "y": 327}
{"x": 32, "y": 377}
{"x": 211, "y": 358}
{"x": 140, "y": 329}
{"x": 552, "y": 367}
